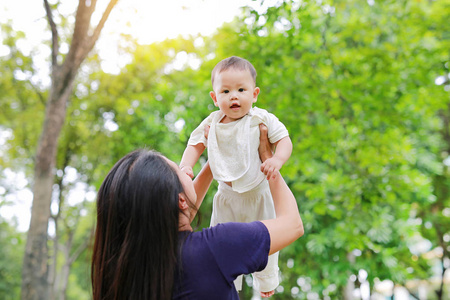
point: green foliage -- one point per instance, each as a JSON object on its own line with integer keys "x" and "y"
{"x": 19, "y": 102}
{"x": 12, "y": 245}
{"x": 354, "y": 84}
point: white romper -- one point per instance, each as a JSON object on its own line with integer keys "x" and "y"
{"x": 233, "y": 157}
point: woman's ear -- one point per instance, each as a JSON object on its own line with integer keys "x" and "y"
{"x": 182, "y": 201}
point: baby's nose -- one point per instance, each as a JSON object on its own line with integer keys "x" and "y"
{"x": 233, "y": 95}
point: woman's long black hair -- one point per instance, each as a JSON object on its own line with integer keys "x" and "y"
{"x": 135, "y": 246}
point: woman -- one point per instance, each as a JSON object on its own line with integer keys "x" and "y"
{"x": 145, "y": 247}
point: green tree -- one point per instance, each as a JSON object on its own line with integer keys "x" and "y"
{"x": 35, "y": 269}
{"x": 354, "y": 83}
{"x": 12, "y": 244}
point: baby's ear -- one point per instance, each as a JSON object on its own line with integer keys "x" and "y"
{"x": 255, "y": 94}
{"x": 213, "y": 97}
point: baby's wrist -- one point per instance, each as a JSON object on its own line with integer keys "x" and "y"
{"x": 279, "y": 159}
{"x": 277, "y": 162}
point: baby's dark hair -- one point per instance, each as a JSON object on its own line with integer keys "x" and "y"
{"x": 233, "y": 62}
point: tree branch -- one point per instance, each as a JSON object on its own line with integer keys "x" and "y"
{"x": 100, "y": 25}
{"x": 411, "y": 293}
{"x": 79, "y": 37}
{"x": 82, "y": 43}
{"x": 79, "y": 250}
{"x": 55, "y": 44}
{"x": 38, "y": 93}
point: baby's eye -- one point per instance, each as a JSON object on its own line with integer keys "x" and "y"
{"x": 241, "y": 90}
{"x": 226, "y": 91}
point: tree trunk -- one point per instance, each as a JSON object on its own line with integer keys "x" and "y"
{"x": 35, "y": 271}
{"x": 350, "y": 287}
{"x": 440, "y": 291}
{"x": 35, "y": 265}
{"x": 65, "y": 272}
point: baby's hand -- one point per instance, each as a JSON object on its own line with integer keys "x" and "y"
{"x": 188, "y": 170}
{"x": 271, "y": 167}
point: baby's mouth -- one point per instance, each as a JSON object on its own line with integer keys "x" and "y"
{"x": 234, "y": 106}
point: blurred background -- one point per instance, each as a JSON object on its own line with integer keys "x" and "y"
{"x": 362, "y": 86}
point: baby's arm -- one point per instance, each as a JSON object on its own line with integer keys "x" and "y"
{"x": 190, "y": 157}
{"x": 282, "y": 153}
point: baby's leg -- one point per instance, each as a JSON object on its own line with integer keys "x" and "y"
{"x": 267, "y": 280}
{"x": 257, "y": 204}
{"x": 227, "y": 207}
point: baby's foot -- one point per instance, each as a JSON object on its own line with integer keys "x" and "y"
{"x": 267, "y": 294}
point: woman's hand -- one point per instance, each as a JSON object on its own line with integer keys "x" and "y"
{"x": 265, "y": 148}
{"x": 270, "y": 165}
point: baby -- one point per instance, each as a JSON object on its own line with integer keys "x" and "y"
{"x": 232, "y": 141}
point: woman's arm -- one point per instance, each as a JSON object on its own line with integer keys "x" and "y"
{"x": 288, "y": 225}
{"x": 272, "y": 165}
{"x": 201, "y": 186}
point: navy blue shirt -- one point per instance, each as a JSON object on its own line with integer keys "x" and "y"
{"x": 212, "y": 259}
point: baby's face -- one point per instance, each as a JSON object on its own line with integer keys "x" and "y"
{"x": 234, "y": 93}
